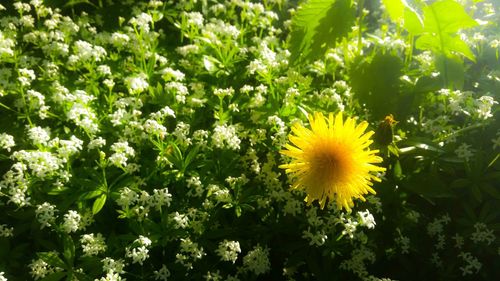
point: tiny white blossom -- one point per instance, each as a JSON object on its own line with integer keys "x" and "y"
{"x": 257, "y": 260}
{"x": 228, "y": 250}
{"x": 71, "y": 221}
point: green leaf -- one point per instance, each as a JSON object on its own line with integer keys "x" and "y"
{"x": 318, "y": 25}
{"x": 54, "y": 276}
{"x": 98, "y": 204}
{"x": 52, "y": 259}
{"x": 91, "y": 194}
{"x": 452, "y": 68}
{"x": 400, "y": 12}
{"x": 378, "y": 80}
{"x": 412, "y": 21}
{"x": 68, "y": 249}
{"x": 397, "y": 170}
{"x": 446, "y": 16}
{"x": 442, "y": 20}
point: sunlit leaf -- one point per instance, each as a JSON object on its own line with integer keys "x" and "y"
{"x": 318, "y": 25}
{"x": 442, "y": 20}
{"x": 400, "y": 12}
{"x": 98, "y": 204}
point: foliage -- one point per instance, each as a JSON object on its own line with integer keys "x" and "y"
{"x": 140, "y": 139}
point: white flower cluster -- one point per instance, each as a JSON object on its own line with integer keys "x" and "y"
{"x": 228, "y": 250}
{"x": 139, "y": 250}
{"x": 225, "y": 136}
{"x": 92, "y": 244}
{"x": 46, "y": 214}
{"x": 6, "y": 141}
{"x": 6, "y": 231}
{"x": 472, "y": 264}
{"x": 366, "y": 219}
{"x": 482, "y": 234}
{"x": 140, "y": 204}
{"x": 72, "y": 221}
{"x": 86, "y": 52}
{"x": 122, "y": 151}
{"x": 137, "y": 84}
{"x": 189, "y": 252}
{"x": 257, "y": 260}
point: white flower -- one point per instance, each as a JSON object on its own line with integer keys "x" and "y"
{"x": 2, "y": 278}
{"x": 39, "y": 135}
{"x": 137, "y": 84}
{"x": 6, "y": 231}
{"x": 142, "y": 21}
{"x": 257, "y": 260}
{"x": 122, "y": 151}
{"x": 464, "y": 151}
{"x": 39, "y": 269}
{"x": 96, "y": 143}
{"x": 42, "y": 164}
{"x": 92, "y": 244}
{"x": 6, "y": 45}
{"x": 155, "y": 128}
{"x": 366, "y": 219}
{"x": 225, "y": 136}
{"x": 26, "y": 76}
{"x": 472, "y": 263}
{"x": 6, "y": 141}
{"x": 162, "y": 274}
{"x": 71, "y": 221}
{"x": 127, "y": 197}
{"x": 484, "y": 105}
{"x": 161, "y": 197}
{"x": 181, "y": 220}
{"x": 228, "y": 250}
{"x": 139, "y": 251}
{"x": 483, "y": 234}
{"x": 110, "y": 265}
{"x": 46, "y": 214}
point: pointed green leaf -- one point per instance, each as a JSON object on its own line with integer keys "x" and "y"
{"x": 446, "y": 16}
{"x": 68, "y": 249}
{"x": 395, "y": 9}
{"x": 318, "y": 25}
{"x": 442, "y": 20}
{"x": 400, "y": 12}
{"x": 98, "y": 204}
{"x": 412, "y": 21}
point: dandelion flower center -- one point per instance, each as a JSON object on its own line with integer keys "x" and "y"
{"x": 332, "y": 160}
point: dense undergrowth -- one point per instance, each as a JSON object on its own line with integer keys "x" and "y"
{"x": 141, "y": 140}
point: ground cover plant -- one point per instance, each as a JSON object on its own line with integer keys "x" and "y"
{"x": 249, "y": 140}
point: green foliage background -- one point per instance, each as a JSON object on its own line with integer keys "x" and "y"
{"x": 418, "y": 61}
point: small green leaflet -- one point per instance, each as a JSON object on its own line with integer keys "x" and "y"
{"x": 318, "y": 25}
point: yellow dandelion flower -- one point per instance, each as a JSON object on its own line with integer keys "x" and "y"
{"x": 332, "y": 160}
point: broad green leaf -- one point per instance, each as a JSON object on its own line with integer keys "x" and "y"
{"x": 378, "y": 80}
{"x": 446, "y": 16}
{"x": 400, "y": 12}
{"x": 442, "y": 19}
{"x": 446, "y": 45}
{"x": 395, "y": 9}
{"x": 98, "y": 204}
{"x": 412, "y": 21}
{"x": 452, "y": 69}
{"x": 318, "y": 25}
